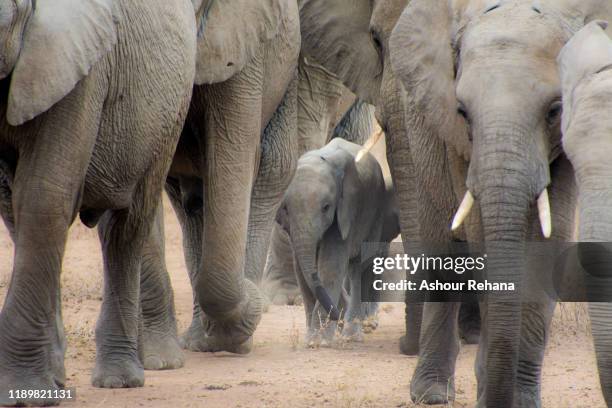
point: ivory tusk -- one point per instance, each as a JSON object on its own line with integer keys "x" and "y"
{"x": 368, "y": 145}
{"x": 463, "y": 211}
{"x": 544, "y": 214}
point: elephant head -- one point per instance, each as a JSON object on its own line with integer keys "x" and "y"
{"x": 48, "y": 47}
{"x": 321, "y": 196}
{"x": 482, "y": 76}
{"x": 585, "y": 66}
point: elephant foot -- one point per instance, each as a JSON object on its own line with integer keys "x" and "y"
{"x": 323, "y": 336}
{"x": 24, "y": 366}
{"x": 121, "y": 372}
{"x": 234, "y": 333}
{"x": 353, "y": 332}
{"x": 214, "y": 343}
{"x": 432, "y": 392}
{"x": 409, "y": 345}
{"x": 21, "y": 383}
{"x": 160, "y": 351}
{"x": 194, "y": 339}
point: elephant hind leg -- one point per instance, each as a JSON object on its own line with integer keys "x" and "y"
{"x": 194, "y": 339}
{"x": 124, "y": 235}
{"x": 158, "y": 342}
{"x": 118, "y": 365}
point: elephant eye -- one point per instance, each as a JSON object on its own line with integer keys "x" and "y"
{"x": 326, "y": 208}
{"x": 554, "y": 112}
{"x": 462, "y": 111}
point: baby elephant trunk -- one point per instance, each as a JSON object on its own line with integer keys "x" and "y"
{"x": 306, "y": 260}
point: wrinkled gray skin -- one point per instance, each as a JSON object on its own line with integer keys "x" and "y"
{"x": 351, "y": 39}
{"x": 100, "y": 144}
{"x": 332, "y": 206}
{"x": 493, "y": 128}
{"x": 586, "y": 77}
{"x": 326, "y": 109}
{"x": 235, "y": 158}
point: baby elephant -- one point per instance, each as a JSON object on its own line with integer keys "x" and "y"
{"x": 333, "y": 205}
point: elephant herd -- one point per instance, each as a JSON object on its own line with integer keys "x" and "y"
{"x": 496, "y": 121}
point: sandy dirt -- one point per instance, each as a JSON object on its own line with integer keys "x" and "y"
{"x": 281, "y": 372}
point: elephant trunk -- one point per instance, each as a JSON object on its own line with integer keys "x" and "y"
{"x": 595, "y": 201}
{"x": 507, "y": 175}
{"x": 306, "y": 257}
{"x": 504, "y": 214}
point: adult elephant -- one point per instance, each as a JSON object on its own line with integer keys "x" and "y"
{"x": 482, "y": 88}
{"x": 235, "y": 158}
{"x": 351, "y": 39}
{"x": 584, "y": 65}
{"x": 326, "y": 110}
{"x": 83, "y": 132}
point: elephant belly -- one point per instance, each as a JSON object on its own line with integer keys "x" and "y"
{"x": 144, "y": 108}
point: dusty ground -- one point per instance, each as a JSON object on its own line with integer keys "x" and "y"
{"x": 281, "y": 372}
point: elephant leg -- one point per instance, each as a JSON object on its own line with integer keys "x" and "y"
{"x": 413, "y": 315}
{"x": 369, "y": 304}
{"x": 277, "y": 163}
{"x": 403, "y": 172}
{"x": 230, "y": 125}
{"x": 433, "y": 379}
{"x": 158, "y": 343}
{"x": 535, "y": 323}
{"x": 192, "y": 224}
{"x": 354, "y": 315}
{"x": 279, "y": 282}
{"x": 469, "y": 322}
{"x": 122, "y": 235}
{"x": 45, "y": 193}
{"x": 601, "y": 316}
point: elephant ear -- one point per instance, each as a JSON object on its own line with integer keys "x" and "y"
{"x": 423, "y": 58}
{"x": 346, "y": 209}
{"x": 336, "y": 34}
{"x": 588, "y": 52}
{"x": 63, "y": 40}
{"x": 230, "y": 33}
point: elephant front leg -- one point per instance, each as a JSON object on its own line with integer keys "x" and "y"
{"x": 278, "y": 160}
{"x": 42, "y": 205}
{"x": 122, "y": 238}
{"x": 232, "y": 303}
{"x": 433, "y": 380}
{"x": 158, "y": 342}
{"x": 279, "y": 281}
{"x": 354, "y": 316}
